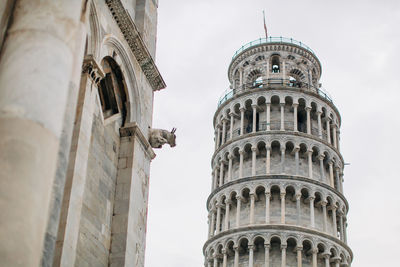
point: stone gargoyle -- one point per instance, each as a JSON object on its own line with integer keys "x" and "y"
{"x": 159, "y": 137}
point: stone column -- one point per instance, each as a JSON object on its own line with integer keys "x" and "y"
{"x": 298, "y": 199}
{"x": 212, "y": 221}
{"x": 321, "y": 166}
{"x": 252, "y": 199}
{"x": 218, "y": 223}
{"x": 230, "y": 157}
{"x": 283, "y": 149}
{"x": 34, "y": 96}
{"x": 319, "y": 124}
{"x": 323, "y": 204}
{"x": 215, "y": 177}
{"x": 334, "y": 221}
{"x": 309, "y": 156}
{"x": 238, "y": 204}
{"x": 341, "y": 226}
{"x": 223, "y": 131}
{"x": 283, "y": 209}
{"x": 337, "y": 172}
{"x": 308, "y": 110}
{"x": 241, "y": 77}
{"x": 312, "y": 217}
{"x": 268, "y": 160}
{"x": 251, "y": 255}
{"x": 218, "y": 136}
{"x": 254, "y": 118}
{"x": 215, "y": 260}
{"x": 345, "y": 229}
{"x": 253, "y": 160}
{"x": 209, "y": 224}
{"x": 299, "y": 250}
{"x": 236, "y": 259}
{"x": 266, "y": 255}
{"x": 283, "y": 255}
{"x": 295, "y": 128}
{"x": 231, "y": 126}
{"x": 331, "y": 174}
{"x": 296, "y": 159}
{"x": 225, "y": 258}
{"x": 221, "y": 173}
{"x": 341, "y": 182}
{"x": 326, "y": 256}
{"x": 314, "y": 257}
{"x": 267, "y": 207}
{"x": 227, "y": 211}
{"x": 338, "y": 138}
{"x": 328, "y": 130}
{"x": 334, "y": 135}
{"x": 241, "y": 163}
{"x": 268, "y": 116}
{"x": 241, "y": 121}
{"x": 282, "y": 116}
{"x": 337, "y": 261}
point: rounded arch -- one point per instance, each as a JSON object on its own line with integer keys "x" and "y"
{"x": 134, "y": 105}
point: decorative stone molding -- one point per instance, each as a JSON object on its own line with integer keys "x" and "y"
{"x": 93, "y": 69}
{"x": 136, "y": 44}
{"x": 132, "y": 129}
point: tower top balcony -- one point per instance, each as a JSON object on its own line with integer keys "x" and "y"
{"x": 274, "y": 57}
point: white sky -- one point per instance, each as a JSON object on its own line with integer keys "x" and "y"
{"x": 356, "y": 42}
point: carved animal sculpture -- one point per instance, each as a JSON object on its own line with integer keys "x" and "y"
{"x": 159, "y": 137}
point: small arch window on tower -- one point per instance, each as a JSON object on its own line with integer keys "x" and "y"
{"x": 275, "y": 64}
{"x": 112, "y": 90}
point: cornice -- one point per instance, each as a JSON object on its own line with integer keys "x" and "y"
{"x": 136, "y": 44}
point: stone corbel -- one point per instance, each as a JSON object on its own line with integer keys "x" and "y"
{"x": 93, "y": 69}
{"x": 132, "y": 130}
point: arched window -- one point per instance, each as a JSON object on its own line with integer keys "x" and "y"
{"x": 112, "y": 90}
{"x": 275, "y": 64}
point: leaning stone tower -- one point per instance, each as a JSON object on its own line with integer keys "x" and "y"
{"x": 277, "y": 181}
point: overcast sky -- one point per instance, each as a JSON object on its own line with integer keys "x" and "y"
{"x": 358, "y": 44}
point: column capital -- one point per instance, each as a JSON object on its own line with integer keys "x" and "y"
{"x": 228, "y": 202}
{"x": 268, "y": 147}
{"x": 239, "y": 198}
{"x": 309, "y": 152}
{"x": 250, "y": 246}
{"x": 321, "y": 157}
{"x": 267, "y": 194}
{"x": 241, "y": 151}
{"x": 298, "y": 196}
{"x": 326, "y": 255}
{"x": 299, "y": 248}
{"x": 283, "y": 246}
{"x": 319, "y": 112}
{"x": 295, "y": 105}
{"x": 231, "y": 156}
{"x": 283, "y": 194}
{"x": 296, "y": 149}
{"x": 254, "y": 106}
{"x": 254, "y": 148}
{"x": 323, "y": 203}
{"x": 314, "y": 250}
{"x": 223, "y": 251}
{"x": 267, "y": 245}
{"x": 308, "y": 109}
{"x": 242, "y": 109}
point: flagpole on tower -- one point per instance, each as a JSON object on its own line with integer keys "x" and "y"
{"x": 265, "y": 26}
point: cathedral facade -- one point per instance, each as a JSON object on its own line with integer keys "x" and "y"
{"x": 77, "y": 81}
